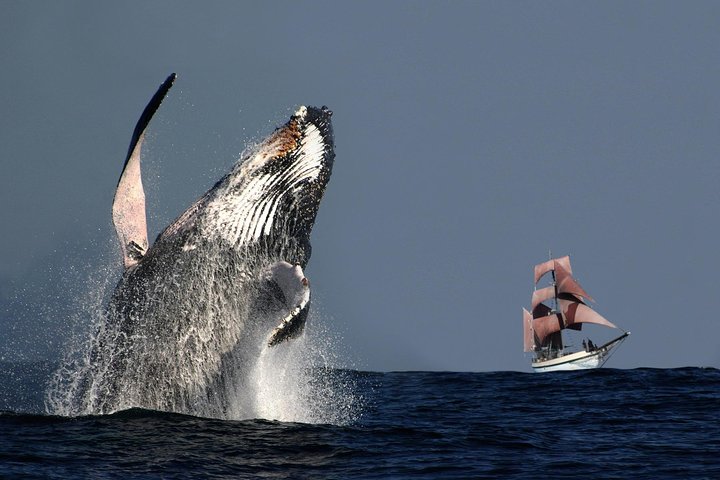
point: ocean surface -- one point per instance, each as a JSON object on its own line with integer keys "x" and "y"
{"x": 642, "y": 423}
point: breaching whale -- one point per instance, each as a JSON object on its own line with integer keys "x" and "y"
{"x": 221, "y": 283}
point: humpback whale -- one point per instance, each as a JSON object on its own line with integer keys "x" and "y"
{"x": 220, "y": 284}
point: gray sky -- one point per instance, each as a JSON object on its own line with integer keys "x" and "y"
{"x": 471, "y": 139}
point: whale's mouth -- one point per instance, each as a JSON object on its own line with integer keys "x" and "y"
{"x": 292, "y": 325}
{"x": 286, "y": 290}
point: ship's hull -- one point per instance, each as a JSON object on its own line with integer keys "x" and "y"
{"x": 579, "y": 360}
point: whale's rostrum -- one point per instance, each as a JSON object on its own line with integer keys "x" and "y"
{"x": 218, "y": 285}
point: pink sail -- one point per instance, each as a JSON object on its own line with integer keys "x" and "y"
{"x": 541, "y": 295}
{"x": 546, "y": 325}
{"x": 528, "y": 343}
{"x": 542, "y": 268}
{"x": 567, "y": 284}
{"x": 574, "y": 312}
{"x": 573, "y": 315}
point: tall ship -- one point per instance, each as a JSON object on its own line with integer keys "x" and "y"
{"x": 555, "y": 309}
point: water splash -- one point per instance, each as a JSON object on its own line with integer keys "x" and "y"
{"x": 296, "y": 381}
{"x": 88, "y": 303}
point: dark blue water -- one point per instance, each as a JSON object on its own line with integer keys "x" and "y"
{"x": 643, "y": 423}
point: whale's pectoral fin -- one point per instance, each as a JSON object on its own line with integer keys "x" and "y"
{"x": 293, "y": 291}
{"x": 129, "y": 202}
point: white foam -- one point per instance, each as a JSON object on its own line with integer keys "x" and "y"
{"x": 301, "y": 112}
{"x": 295, "y": 382}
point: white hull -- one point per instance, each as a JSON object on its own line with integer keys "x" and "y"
{"x": 579, "y": 360}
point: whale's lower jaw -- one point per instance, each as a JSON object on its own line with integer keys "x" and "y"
{"x": 291, "y": 326}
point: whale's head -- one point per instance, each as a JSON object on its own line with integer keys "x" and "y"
{"x": 271, "y": 197}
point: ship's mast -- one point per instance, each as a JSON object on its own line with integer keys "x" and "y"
{"x": 556, "y": 305}
{"x": 554, "y": 282}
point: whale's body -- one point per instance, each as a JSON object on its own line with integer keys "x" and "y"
{"x": 221, "y": 283}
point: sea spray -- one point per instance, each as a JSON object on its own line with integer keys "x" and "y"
{"x": 301, "y": 383}
{"x": 295, "y": 381}
{"x": 88, "y": 299}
